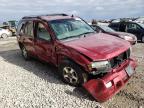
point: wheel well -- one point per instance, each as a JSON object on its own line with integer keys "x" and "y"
{"x": 68, "y": 59}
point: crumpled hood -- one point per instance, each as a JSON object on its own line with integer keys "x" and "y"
{"x": 99, "y": 46}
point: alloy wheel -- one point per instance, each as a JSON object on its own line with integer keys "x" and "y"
{"x": 70, "y": 75}
{"x": 4, "y": 36}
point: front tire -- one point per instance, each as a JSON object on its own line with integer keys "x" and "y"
{"x": 72, "y": 74}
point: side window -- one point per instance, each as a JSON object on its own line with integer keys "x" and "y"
{"x": 20, "y": 27}
{"x": 42, "y": 32}
{"x": 122, "y": 27}
{"x": 28, "y": 29}
{"x": 115, "y": 26}
{"x": 130, "y": 26}
{"x": 133, "y": 26}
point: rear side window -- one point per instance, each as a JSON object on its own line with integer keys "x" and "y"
{"x": 115, "y": 26}
{"x": 28, "y": 29}
{"x": 20, "y": 27}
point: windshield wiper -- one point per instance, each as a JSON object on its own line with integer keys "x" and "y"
{"x": 76, "y": 35}
{"x": 70, "y": 37}
{"x": 85, "y": 33}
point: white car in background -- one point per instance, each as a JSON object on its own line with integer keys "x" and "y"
{"x": 4, "y": 33}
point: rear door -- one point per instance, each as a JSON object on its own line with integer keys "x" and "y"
{"x": 134, "y": 29}
{"x": 28, "y": 37}
{"x": 44, "y": 45}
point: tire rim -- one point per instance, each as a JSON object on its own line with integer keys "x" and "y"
{"x": 24, "y": 53}
{"x": 70, "y": 75}
{"x": 4, "y": 36}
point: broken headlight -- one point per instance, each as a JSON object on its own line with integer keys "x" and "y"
{"x": 100, "y": 67}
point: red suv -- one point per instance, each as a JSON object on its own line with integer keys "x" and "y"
{"x": 99, "y": 62}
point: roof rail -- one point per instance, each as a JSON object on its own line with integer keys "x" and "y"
{"x": 39, "y": 16}
{"x": 61, "y": 14}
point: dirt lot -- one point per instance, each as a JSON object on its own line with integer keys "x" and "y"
{"x": 33, "y": 84}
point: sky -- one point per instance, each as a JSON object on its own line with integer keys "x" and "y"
{"x": 87, "y": 9}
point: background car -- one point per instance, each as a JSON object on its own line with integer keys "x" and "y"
{"x": 126, "y": 36}
{"x": 130, "y": 27}
{"x": 4, "y": 33}
{"x": 11, "y": 25}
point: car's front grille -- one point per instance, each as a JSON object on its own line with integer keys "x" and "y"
{"x": 120, "y": 58}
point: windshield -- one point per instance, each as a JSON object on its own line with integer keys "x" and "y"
{"x": 107, "y": 29}
{"x": 68, "y": 28}
{"x": 142, "y": 25}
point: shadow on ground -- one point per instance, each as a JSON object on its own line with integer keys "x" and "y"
{"x": 42, "y": 70}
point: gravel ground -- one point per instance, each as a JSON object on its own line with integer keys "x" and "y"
{"x": 32, "y": 84}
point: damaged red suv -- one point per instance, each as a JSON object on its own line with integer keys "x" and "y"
{"x": 101, "y": 63}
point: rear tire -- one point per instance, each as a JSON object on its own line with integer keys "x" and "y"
{"x": 25, "y": 53}
{"x": 72, "y": 74}
{"x": 4, "y": 35}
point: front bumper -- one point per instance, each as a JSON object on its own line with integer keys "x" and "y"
{"x": 118, "y": 76}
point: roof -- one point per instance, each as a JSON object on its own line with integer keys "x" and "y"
{"x": 48, "y": 17}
